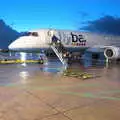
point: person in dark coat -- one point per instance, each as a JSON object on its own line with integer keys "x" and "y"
{"x": 54, "y": 39}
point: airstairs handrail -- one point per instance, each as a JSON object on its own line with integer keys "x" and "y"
{"x": 59, "y": 54}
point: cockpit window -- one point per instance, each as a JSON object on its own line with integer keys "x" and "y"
{"x": 33, "y": 34}
{"x": 29, "y": 34}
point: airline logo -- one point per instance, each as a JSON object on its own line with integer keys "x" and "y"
{"x": 78, "y": 40}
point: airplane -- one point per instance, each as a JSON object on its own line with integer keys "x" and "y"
{"x": 72, "y": 41}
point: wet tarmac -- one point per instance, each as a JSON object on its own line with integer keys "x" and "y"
{"x": 40, "y": 92}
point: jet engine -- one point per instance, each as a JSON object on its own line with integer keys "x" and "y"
{"x": 112, "y": 52}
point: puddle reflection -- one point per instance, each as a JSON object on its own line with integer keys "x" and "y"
{"x": 94, "y": 63}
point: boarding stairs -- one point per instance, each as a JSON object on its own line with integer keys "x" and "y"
{"x": 59, "y": 52}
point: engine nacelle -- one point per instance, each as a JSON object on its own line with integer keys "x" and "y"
{"x": 112, "y": 52}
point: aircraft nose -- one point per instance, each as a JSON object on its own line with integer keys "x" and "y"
{"x": 16, "y": 44}
{"x": 28, "y": 43}
{"x": 11, "y": 46}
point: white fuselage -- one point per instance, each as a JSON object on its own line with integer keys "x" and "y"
{"x": 72, "y": 40}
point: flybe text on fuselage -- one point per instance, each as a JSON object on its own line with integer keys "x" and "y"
{"x": 78, "y": 40}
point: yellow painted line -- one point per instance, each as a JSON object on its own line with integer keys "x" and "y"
{"x": 19, "y": 61}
